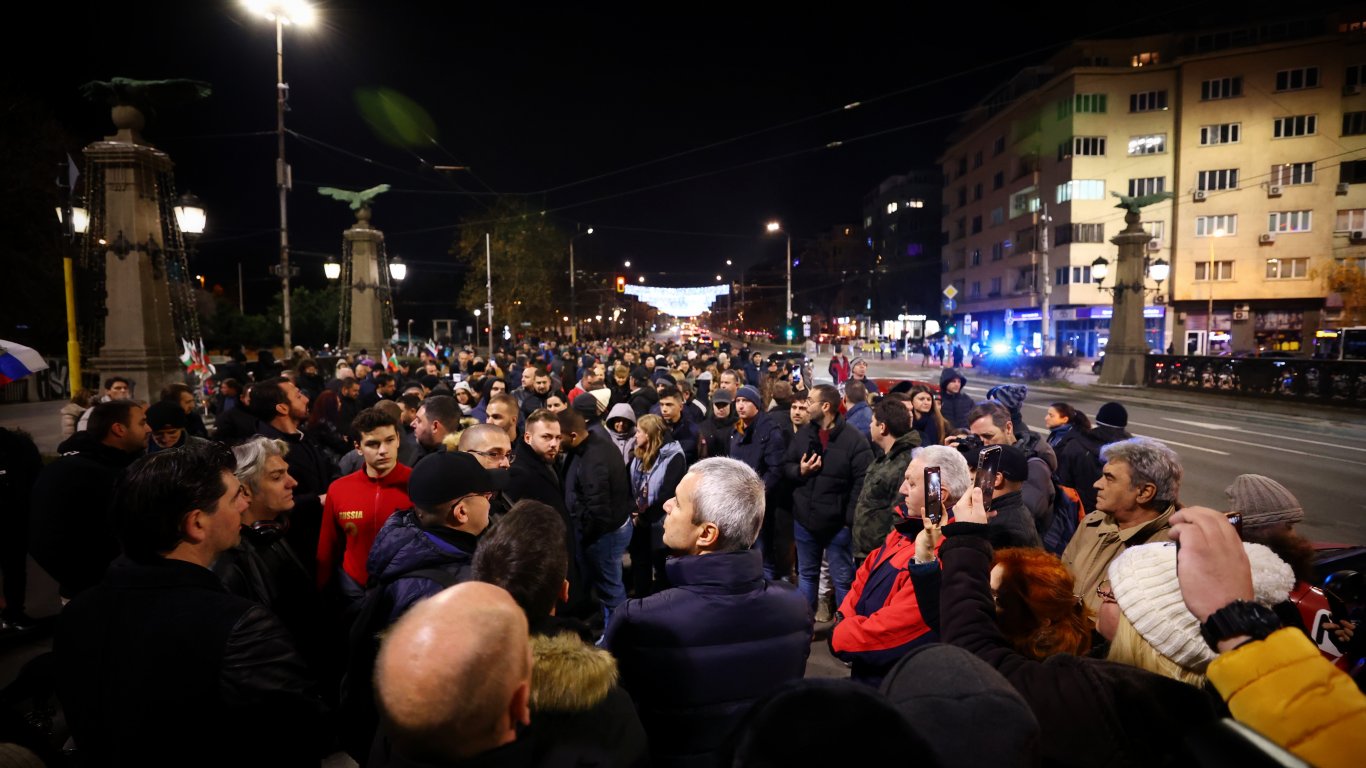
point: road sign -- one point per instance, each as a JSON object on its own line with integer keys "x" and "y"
{"x": 950, "y": 304}
{"x": 951, "y": 292}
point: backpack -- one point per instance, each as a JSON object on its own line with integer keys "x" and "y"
{"x": 357, "y": 714}
{"x": 1068, "y": 511}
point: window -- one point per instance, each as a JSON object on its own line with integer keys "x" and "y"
{"x": 1295, "y": 125}
{"x": 915, "y": 203}
{"x": 998, "y": 251}
{"x": 1297, "y": 79}
{"x": 1147, "y": 186}
{"x": 962, "y": 196}
{"x": 1084, "y": 146}
{"x": 960, "y": 228}
{"x": 1353, "y": 123}
{"x": 1024, "y": 202}
{"x": 1060, "y": 276}
{"x": 1220, "y": 133}
{"x": 1352, "y": 172}
{"x": 1081, "y": 274}
{"x": 1289, "y": 221}
{"x": 977, "y": 191}
{"x": 1078, "y": 233}
{"x": 1081, "y": 189}
{"x": 1356, "y": 75}
{"x": 1221, "y": 88}
{"x": 1216, "y": 226}
{"x": 1157, "y": 230}
{"x": 995, "y": 287}
{"x": 998, "y": 146}
{"x": 976, "y": 224}
{"x": 1093, "y": 103}
{"x": 976, "y": 292}
{"x": 1144, "y": 59}
{"x": 977, "y": 159}
{"x": 867, "y": 222}
{"x": 1024, "y": 240}
{"x": 1350, "y": 220}
{"x": 999, "y": 180}
{"x": 1154, "y": 144}
{"x": 1147, "y": 101}
{"x": 998, "y": 216}
{"x": 1226, "y": 178}
{"x": 1286, "y": 269}
{"x": 1292, "y": 173}
{"x": 891, "y": 207}
{"x": 963, "y": 166}
{"x": 1222, "y": 270}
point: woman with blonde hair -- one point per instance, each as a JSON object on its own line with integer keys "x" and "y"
{"x": 656, "y": 470}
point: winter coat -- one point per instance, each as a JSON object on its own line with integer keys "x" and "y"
{"x": 626, "y": 441}
{"x": 954, "y": 408}
{"x": 892, "y": 607}
{"x": 825, "y": 501}
{"x": 156, "y": 651}
{"x": 928, "y": 428}
{"x": 1079, "y": 464}
{"x": 1281, "y": 688}
{"x": 1038, "y": 486}
{"x": 860, "y": 417}
{"x": 577, "y": 704}
{"x": 651, "y": 489}
{"x": 71, "y": 415}
{"x": 643, "y": 399}
{"x": 71, "y": 533}
{"x": 696, "y": 656}
{"x": 311, "y": 468}
{"x": 873, "y": 515}
{"x": 403, "y": 546}
{"x": 1098, "y": 541}
{"x": 1012, "y": 525}
{"x": 357, "y": 507}
{"x": 762, "y": 448}
{"x": 713, "y": 436}
{"x": 597, "y": 488}
{"x": 1090, "y": 712}
{"x": 532, "y": 478}
{"x": 685, "y": 434}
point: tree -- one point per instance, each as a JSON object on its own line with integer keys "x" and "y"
{"x": 529, "y": 255}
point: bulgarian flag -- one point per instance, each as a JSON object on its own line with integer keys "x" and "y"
{"x": 391, "y": 363}
{"x": 18, "y": 361}
{"x": 186, "y": 354}
{"x": 204, "y": 364}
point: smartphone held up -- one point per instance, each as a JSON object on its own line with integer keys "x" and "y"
{"x": 934, "y": 500}
{"x": 988, "y": 464}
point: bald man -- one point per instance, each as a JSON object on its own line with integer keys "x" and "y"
{"x": 491, "y": 446}
{"x": 453, "y": 678}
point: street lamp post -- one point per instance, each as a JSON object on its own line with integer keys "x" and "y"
{"x": 1209, "y": 310}
{"x": 573, "y": 303}
{"x": 477, "y": 313}
{"x": 77, "y": 221}
{"x": 774, "y": 226}
{"x": 282, "y": 12}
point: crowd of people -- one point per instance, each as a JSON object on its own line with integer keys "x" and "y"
{"x": 619, "y": 552}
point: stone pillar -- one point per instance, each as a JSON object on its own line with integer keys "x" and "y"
{"x": 1127, "y": 350}
{"x": 367, "y": 311}
{"x": 139, "y": 332}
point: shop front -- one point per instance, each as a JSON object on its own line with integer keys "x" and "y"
{"x": 1084, "y": 331}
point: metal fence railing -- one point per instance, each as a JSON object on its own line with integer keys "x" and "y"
{"x": 1327, "y": 382}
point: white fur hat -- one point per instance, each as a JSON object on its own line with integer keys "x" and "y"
{"x": 1144, "y": 581}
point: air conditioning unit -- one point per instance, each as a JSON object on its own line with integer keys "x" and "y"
{"x": 1343, "y": 188}
{"x": 1358, "y": 235}
{"x": 1266, "y": 237}
{"x": 1199, "y": 195}
{"x": 1273, "y": 190}
{"x": 1154, "y": 244}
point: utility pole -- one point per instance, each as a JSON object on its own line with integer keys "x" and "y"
{"x": 488, "y": 275}
{"x": 282, "y": 175}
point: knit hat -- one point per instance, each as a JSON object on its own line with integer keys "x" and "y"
{"x": 1144, "y": 581}
{"x": 751, "y": 394}
{"x": 445, "y": 476}
{"x": 1012, "y": 396}
{"x": 465, "y": 385}
{"x": 165, "y": 414}
{"x": 1014, "y": 464}
{"x": 639, "y": 373}
{"x": 1112, "y": 415}
{"x": 856, "y": 361}
{"x": 602, "y": 397}
{"x": 1261, "y": 500}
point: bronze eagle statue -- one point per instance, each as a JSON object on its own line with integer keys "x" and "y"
{"x": 1133, "y": 204}
{"x": 357, "y": 200}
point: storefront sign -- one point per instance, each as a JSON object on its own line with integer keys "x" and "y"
{"x": 1104, "y": 313}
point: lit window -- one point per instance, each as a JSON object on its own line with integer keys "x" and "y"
{"x": 1213, "y": 270}
{"x": 1154, "y": 144}
{"x": 1287, "y": 174}
{"x": 1144, "y": 59}
{"x": 1220, "y": 133}
{"x": 1216, "y": 226}
{"x": 915, "y": 203}
{"x": 891, "y": 207}
{"x": 1287, "y": 269}
{"x": 1290, "y": 221}
{"x": 1350, "y": 220}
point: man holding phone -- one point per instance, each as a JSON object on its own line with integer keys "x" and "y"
{"x": 893, "y": 604}
{"x": 1013, "y": 525}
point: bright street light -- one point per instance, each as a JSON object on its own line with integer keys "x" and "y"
{"x": 773, "y": 227}
{"x": 397, "y": 269}
{"x": 189, "y": 215}
{"x": 628, "y": 263}
{"x": 332, "y": 269}
{"x": 293, "y": 12}
{"x": 80, "y": 219}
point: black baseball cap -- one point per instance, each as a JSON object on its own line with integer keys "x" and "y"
{"x": 1014, "y": 464}
{"x": 446, "y": 476}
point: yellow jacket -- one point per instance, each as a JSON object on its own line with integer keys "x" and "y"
{"x": 1284, "y": 689}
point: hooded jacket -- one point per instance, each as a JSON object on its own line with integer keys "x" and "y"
{"x": 643, "y": 398}
{"x": 626, "y": 441}
{"x": 826, "y": 500}
{"x": 954, "y": 408}
{"x": 577, "y": 703}
{"x": 71, "y": 534}
{"x": 403, "y": 546}
{"x": 873, "y": 514}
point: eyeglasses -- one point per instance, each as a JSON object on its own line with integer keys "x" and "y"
{"x": 497, "y": 455}
{"x": 1105, "y": 595}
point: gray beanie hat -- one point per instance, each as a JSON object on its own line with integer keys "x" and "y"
{"x": 1263, "y": 501}
{"x": 1144, "y": 581}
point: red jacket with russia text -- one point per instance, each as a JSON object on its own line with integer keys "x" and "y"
{"x": 356, "y": 508}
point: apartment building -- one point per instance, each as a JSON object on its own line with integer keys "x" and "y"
{"x": 901, "y": 226}
{"x": 1255, "y": 131}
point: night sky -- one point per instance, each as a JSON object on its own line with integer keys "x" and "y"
{"x": 675, "y": 132}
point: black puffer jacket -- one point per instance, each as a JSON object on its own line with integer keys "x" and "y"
{"x": 954, "y": 408}
{"x": 157, "y": 650}
{"x": 826, "y": 500}
{"x": 1090, "y": 712}
{"x": 1079, "y": 464}
{"x": 598, "y": 488}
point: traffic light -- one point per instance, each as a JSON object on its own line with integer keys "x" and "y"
{"x": 621, "y": 284}
{"x": 952, "y": 330}
{"x": 790, "y": 332}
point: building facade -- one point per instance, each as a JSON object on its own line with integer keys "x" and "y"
{"x": 1259, "y": 135}
{"x": 901, "y": 222}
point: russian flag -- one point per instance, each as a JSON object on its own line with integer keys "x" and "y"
{"x": 18, "y": 361}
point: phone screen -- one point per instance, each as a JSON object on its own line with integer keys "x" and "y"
{"x": 934, "y": 504}
{"x": 988, "y": 464}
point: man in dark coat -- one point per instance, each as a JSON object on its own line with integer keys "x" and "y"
{"x": 826, "y": 462}
{"x": 713, "y": 434}
{"x": 71, "y": 535}
{"x": 20, "y": 464}
{"x": 159, "y": 650}
{"x": 535, "y": 476}
{"x": 759, "y": 442}
{"x": 954, "y": 403}
{"x": 696, "y": 656}
{"x": 597, "y": 490}
{"x": 671, "y": 403}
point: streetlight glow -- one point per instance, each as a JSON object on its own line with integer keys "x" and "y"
{"x": 774, "y": 226}
{"x": 80, "y": 220}
{"x": 295, "y": 12}
{"x": 642, "y": 278}
{"x": 189, "y": 215}
{"x": 332, "y": 270}
{"x": 397, "y": 269}
{"x": 628, "y": 263}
